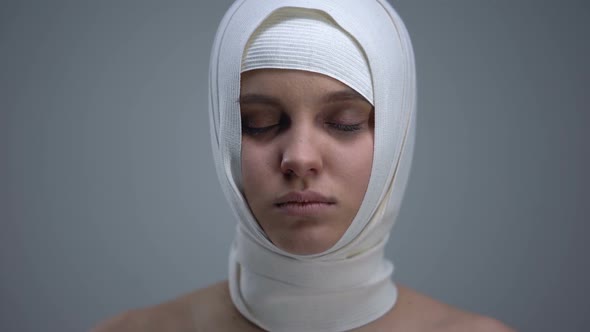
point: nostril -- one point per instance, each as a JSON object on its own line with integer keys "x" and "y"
{"x": 301, "y": 160}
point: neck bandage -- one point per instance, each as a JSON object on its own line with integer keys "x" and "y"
{"x": 349, "y": 285}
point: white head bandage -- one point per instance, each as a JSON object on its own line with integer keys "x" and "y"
{"x": 308, "y": 40}
{"x": 349, "y": 285}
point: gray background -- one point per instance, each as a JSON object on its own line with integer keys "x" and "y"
{"x": 109, "y": 199}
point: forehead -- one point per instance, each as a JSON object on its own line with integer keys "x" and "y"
{"x": 271, "y": 79}
{"x": 289, "y": 84}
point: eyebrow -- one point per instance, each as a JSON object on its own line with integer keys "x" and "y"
{"x": 337, "y": 96}
{"x": 255, "y": 98}
{"x": 343, "y": 95}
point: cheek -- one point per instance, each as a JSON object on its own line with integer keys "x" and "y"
{"x": 363, "y": 168}
{"x": 248, "y": 167}
{"x": 356, "y": 160}
{"x": 255, "y": 168}
{"x": 355, "y": 167}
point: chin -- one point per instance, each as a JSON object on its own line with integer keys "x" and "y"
{"x": 306, "y": 238}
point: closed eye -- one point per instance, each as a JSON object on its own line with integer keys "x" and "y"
{"x": 345, "y": 127}
{"x": 253, "y": 131}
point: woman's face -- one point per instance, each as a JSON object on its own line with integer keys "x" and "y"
{"x": 307, "y": 152}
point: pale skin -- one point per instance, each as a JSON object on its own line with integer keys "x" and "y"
{"x": 301, "y": 131}
{"x": 304, "y": 132}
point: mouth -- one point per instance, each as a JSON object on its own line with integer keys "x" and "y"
{"x": 304, "y": 203}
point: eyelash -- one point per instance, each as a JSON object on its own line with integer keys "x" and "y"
{"x": 253, "y": 131}
{"x": 345, "y": 127}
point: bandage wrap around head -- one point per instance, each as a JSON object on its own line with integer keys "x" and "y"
{"x": 308, "y": 40}
{"x": 350, "y": 284}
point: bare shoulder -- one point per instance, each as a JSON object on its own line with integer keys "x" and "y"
{"x": 448, "y": 318}
{"x": 417, "y": 312}
{"x": 200, "y": 310}
{"x": 482, "y": 324}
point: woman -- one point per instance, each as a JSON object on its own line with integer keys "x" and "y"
{"x": 312, "y": 114}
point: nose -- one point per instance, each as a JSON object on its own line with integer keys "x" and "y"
{"x": 301, "y": 154}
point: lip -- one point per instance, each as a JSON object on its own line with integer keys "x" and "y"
{"x": 304, "y": 203}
